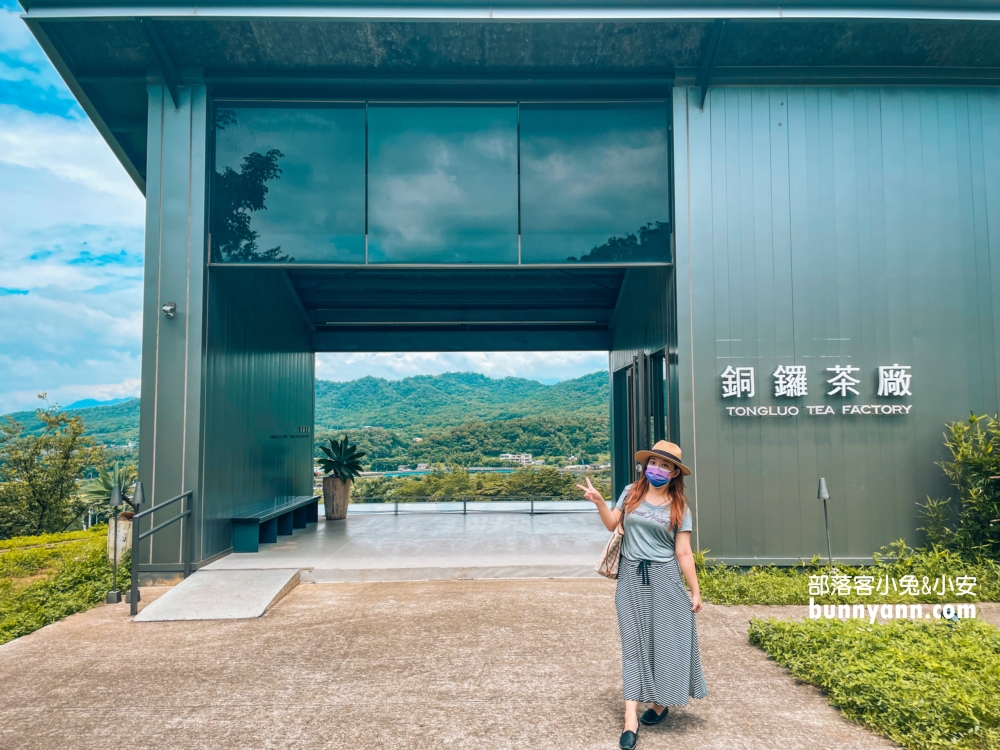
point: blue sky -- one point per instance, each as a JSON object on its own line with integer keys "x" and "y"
{"x": 70, "y": 240}
{"x": 71, "y": 247}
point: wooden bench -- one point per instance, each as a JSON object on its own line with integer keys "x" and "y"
{"x": 264, "y": 522}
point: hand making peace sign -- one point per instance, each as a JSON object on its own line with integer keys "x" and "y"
{"x": 590, "y": 492}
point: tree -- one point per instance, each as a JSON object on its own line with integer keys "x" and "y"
{"x": 235, "y": 196}
{"x": 39, "y": 473}
{"x": 651, "y": 241}
{"x": 544, "y": 482}
{"x": 458, "y": 482}
{"x": 95, "y": 493}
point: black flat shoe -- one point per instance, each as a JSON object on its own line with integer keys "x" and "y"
{"x": 628, "y": 739}
{"x": 651, "y": 718}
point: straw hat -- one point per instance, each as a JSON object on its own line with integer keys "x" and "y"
{"x": 664, "y": 449}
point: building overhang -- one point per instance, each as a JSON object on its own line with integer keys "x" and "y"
{"x": 437, "y": 309}
{"x": 109, "y": 53}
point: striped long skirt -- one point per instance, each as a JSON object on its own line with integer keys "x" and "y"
{"x": 661, "y": 662}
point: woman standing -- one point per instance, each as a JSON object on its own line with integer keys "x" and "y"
{"x": 661, "y": 663}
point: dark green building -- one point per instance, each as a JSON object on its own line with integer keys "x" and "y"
{"x": 781, "y": 221}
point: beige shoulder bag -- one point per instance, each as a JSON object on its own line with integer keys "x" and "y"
{"x": 607, "y": 565}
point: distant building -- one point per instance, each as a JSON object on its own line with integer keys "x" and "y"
{"x": 423, "y": 467}
{"x": 403, "y": 467}
{"x": 525, "y": 459}
{"x": 418, "y": 440}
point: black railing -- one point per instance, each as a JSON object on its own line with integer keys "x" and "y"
{"x": 185, "y": 499}
{"x": 485, "y": 503}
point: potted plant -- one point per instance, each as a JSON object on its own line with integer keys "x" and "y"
{"x": 96, "y": 493}
{"x": 341, "y": 466}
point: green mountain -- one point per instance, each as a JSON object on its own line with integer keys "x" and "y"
{"x": 465, "y": 418}
{"x": 428, "y": 402}
{"x": 114, "y": 424}
{"x": 481, "y": 443}
{"x": 460, "y": 417}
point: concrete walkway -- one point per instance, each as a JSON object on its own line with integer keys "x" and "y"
{"x": 424, "y": 546}
{"x": 474, "y": 664}
{"x": 221, "y": 595}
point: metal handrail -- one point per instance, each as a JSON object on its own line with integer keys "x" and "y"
{"x": 185, "y": 533}
{"x": 161, "y": 506}
{"x": 464, "y": 500}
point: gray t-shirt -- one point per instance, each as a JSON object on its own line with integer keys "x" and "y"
{"x": 648, "y": 535}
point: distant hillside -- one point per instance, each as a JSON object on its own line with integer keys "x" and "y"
{"x": 114, "y": 424}
{"x": 481, "y": 443}
{"x": 86, "y": 403}
{"x": 430, "y": 402}
{"x": 462, "y": 417}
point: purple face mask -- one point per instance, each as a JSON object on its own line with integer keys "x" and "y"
{"x": 657, "y": 476}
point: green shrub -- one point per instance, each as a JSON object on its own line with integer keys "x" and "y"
{"x": 972, "y": 528}
{"x": 64, "y": 536}
{"x": 41, "y": 583}
{"x": 723, "y": 584}
{"x": 923, "y": 685}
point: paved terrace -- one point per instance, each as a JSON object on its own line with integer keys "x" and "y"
{"x": 372, "y": 544}
{"x": 508, "y": 664}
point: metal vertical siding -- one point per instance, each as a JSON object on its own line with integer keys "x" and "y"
{"x": 822, "y": 226}
{"x": 642, "y": 322}
{"x": 641, "y": 319}
{"x": 233, "y": 368}
{"x": 170, "y": 427}
{"x": 258, "y": 390}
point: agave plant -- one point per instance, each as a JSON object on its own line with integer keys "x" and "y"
{"x": 96, "y": 492}
{"x": 343, "y": 460}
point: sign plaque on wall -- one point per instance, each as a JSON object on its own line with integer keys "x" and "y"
{"x": 792, "y": 381}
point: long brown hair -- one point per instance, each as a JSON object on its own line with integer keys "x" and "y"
{"x": 675, "y": 491}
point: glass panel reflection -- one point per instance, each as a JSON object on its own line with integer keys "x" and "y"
{"x": 289, "y": 185}
{"x": 442, "y": 184}
{"x": 594, "y": 183}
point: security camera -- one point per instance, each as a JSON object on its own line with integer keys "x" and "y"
{"x": 169, "y": 309}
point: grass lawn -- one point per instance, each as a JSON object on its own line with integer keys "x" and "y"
{"x": 45, "y": 578}
{"x": 923, "y": 685}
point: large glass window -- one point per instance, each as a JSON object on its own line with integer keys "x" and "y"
{"x": 442, "y": 184}
{"x": 594, "y": 183}
{"x": 289, "y": 185}
{"x": 380, "y": 183}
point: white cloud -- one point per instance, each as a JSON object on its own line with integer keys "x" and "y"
{"x": 69, "y": 149}
{"x": 16, "y": 40}
{"x": 21, "y": 59}
{"x": 544, "y": 366}
{"x": 71, "y": 250}
{"x": 15, "y": 37}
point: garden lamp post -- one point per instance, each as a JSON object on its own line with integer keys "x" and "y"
{"x": 822, "y": 493}
{"x": 132, "y": 595}
{"x": 115, "y": 596}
